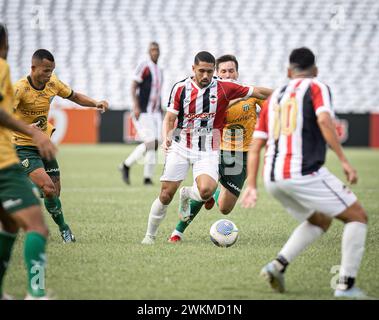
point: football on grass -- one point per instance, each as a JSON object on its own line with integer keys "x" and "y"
{"x": 224, "y": 233}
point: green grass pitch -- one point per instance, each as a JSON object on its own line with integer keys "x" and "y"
{"x": 109, "y": 221}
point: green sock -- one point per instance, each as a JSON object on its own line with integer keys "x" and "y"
{"x": 35, "y": 259}
{"x": 6, "y": 244}
{"x": 216, "y": 195}
{"x": 195, "y": 208}
{"x": 54, "y": 206}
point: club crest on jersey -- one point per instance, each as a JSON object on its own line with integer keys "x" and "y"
{"x": 245, "y": 107}
{"x": 213, "y": 99}
{"x": 25, "y": 163}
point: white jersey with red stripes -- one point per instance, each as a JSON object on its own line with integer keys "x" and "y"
{"x": 288, "y": 120}
{"x": 149, "y": 78}
{"x": 201, "y": 111}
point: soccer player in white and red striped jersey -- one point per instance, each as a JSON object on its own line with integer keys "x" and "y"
{"x": 295, "y": 125}
{"x": 198, "y": 104}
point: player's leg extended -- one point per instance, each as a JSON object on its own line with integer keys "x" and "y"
{"x": 353, "y": 242}
{"x": 159, "y": 209}
{"x": 150, "y": 161}
{"x": 147, "y": 148}
{"x": 21, "y": 208}
{"x": 51, "y": 199}
{"x": 8, "y": 234}
{"x": 53, "y": 204}
{"x": 205, "y": 173}
{"x": 177, "y": 234}
{"x": 31, "y": 220}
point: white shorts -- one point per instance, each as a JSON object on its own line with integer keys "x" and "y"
{"x": 148, "y": 126}
{"x": 320, "y": 191}
{"x": 178, "y": 163}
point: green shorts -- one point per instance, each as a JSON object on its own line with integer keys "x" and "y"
{"x": 31, "y": 160}
{"x": 16, "y": 190}
{"x": 232, "y": 170}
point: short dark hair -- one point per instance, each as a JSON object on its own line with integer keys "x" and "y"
{"x": 3, "y": 34}
{"x": 41, "y": 54}
{"x": 302, "y": 58}
{"x": 226, "y": 58}
{"x": 204, "y": 56}
{"x": 154, "y": 43}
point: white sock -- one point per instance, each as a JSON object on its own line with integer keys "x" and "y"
{"x": 353, "y": 246}
{"x": 193, "y": 193}
{"x": 177, "y": 233}
{"x": 137, "y": 154}
{"x": 148, "y": 170}
{"x": 301, "y": 237}
{"x": 157, "y": 214}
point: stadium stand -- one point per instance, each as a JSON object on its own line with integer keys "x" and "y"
{"x": 98, "y": 43}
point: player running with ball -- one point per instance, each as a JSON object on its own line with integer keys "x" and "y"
{"x": 241, "y": 117}
{"x": 199, "y": 104}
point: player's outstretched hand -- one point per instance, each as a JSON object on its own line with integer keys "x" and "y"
{"x": 166, "y": 145}
{"x": 350, "y": 172}
{"x": 46, "y": 148}
{"x": 249, "y": 198}
{"x": 103, "y": 105}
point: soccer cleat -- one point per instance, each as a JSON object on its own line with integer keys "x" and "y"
{"x": 184, "y": 205}
{"x": 30, "y": 297}
{"x": 352, "y": 293}
{"x": 209, "y": 204}
{"x": 6, "y": 296}
{"x": 148, "y": 181}
{"x": 274, "y": 277}
{"x": 148, "y": 240}
{"x": 175, "y": 239}
{"x": 125, "y": 173}
{"x": 67, "y": 236}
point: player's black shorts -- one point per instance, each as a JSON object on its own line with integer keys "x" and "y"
{"x": 232, "y": 170}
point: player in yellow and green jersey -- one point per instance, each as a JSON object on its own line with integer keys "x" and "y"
{"x": 240, "y": 121}
{"x": 33, "y": 95}
{"x": 19, "y": 204}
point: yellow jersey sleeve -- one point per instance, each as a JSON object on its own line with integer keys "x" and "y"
{"x": 8, "y": 153}
{"x": 63, "y": 90}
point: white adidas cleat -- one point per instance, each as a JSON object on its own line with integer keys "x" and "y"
{"x": 184, "y": 205}
{"x": 148, "y": 240}
{"x": 352, "y": 293}
{"x": 6, "y": 296}
{"x": 30, "y": 297}
{"x": 274, "y": 277}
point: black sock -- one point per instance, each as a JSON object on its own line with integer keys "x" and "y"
{"x": 348, "y": 281}
{"x": 283, "y": 262}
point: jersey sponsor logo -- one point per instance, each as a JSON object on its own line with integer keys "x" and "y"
{"x": 26, "y": 112}
{"x": 8, "y": 204}
{"x": 202, "y": 116}
{"x": 25, "y": 163}
{"x": 52, "y": 170}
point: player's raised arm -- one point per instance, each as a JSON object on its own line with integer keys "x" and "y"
{"x": 86, "y": 101}
{"x": 262, "y": 93}
{"x": 45, "y": 146}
